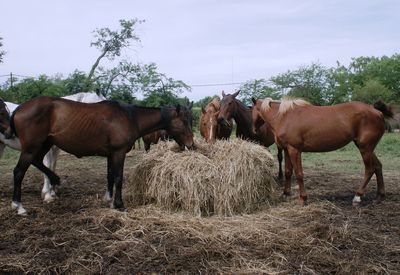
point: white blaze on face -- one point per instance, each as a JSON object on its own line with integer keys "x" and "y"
{"x": 212, "y": 127}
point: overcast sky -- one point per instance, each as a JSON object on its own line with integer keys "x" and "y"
{"x": 199, "y": 42}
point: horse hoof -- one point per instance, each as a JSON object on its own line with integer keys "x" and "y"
{"x": 356, "y": 200}
{"x": 48, "y": 197}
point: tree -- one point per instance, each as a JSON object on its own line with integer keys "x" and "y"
{"x": 2, "y": 53}
{"x": 372, "y": 92}
{"x": 257, "y": 88}
{"x": 75, "y": 82}
{"x": 111, "y": 42}
{"x": 204, "y": 101}
{"x": 313, "y": 83}
{"x": 158, "y": 89}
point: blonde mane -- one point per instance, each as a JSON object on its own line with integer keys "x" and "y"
{"x": 286, "y": 104}
{"x": 214, "y": 103}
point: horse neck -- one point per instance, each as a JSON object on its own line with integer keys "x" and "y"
{"x": 242, "y": 117}
{"x": 272, "y": 117}
{"x": 148, "y": 120}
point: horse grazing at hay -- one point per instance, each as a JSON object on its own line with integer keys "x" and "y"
{"x": 107, "y": 129}
{"x": 233, "y": 108}
{"x": 50, "y": 159}
{"x": 301, "y": 127}
{"x": 210, "y": 129}
{"x": 156, "y": 136}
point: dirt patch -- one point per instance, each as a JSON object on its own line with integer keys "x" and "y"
{"x": 78, "y": 233}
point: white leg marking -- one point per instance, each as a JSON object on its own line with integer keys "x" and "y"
{"x": 107, "y": 196}
{"x": 20, "y": 209}
{"x": 212, "y": 128}
{"x": 356, "y": 200}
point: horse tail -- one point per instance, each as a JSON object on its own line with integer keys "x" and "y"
{"x": 382, "y": 107}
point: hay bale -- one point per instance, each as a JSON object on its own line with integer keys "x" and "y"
{"x": 224, "y": 178}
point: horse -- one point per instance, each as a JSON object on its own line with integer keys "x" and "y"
{"x": 156, "y": 136}
{"x": 50, "y": 160}
{"x": 4, "y": 117}
{"x": 234, "y": 108}
{"x": 107, "y": 129}
{"x": 300, "y": 127}
{"x": 210, "y": 129}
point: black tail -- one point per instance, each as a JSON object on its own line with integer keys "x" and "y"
{"x": 386, "y": 111}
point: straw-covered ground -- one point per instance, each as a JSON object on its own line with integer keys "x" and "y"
{"x": 79, "y": 234}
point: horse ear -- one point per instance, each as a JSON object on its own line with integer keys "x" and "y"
{"x": 235, "y": 94}
{"x": 223, "y": 93}
{"x": 203, "y": 110}
{"x": 191, "y": 105}
{"x": 178, "y": 108}
{"x": 254, "y": 100}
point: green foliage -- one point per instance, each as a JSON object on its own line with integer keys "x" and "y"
{"x": 204, "y": 101}
{"x": 75, "y": 82}
{"x": 313, "y": 83}
{"x": 29, "y": 88}
{"x": 257, "y": 88}
{"x": 110, "y": 43}
{"x": 372, "y": 92}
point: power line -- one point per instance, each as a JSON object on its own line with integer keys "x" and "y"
{"x": 216, "y": 84}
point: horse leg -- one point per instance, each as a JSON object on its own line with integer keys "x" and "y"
{"x": 118, "y": 159}
{"x": 50, "y": 161}
{"x": 295, "y": 157}
{"x": 2, "y": 146}
{"x": 372, "y": 166}
{"x": 110, "y": 181}
{"x": 288, "y": 176}
{"x": 280, "y": 158}
{"x": 25, "y": 160}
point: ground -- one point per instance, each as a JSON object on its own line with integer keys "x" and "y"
{"x": 78, "y": 233}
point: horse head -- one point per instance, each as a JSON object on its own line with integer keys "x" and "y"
{"x": 209, "y": 123}
{"x": 256, "y": 118}
{"x": 180, "y": 126}
{"x": 4, "y": 116}
{"x": 227, "y": 108}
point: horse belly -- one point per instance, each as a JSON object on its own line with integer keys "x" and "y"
{"x": 326, "y": 142}
{"x": 82, "y": 144}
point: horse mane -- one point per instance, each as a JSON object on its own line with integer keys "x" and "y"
{"x": 286, "y": 104}
{"x": 214, "y": 103}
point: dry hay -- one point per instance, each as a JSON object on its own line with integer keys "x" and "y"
{"x": 224, "y": 178}
{"x": 316, "y": 239}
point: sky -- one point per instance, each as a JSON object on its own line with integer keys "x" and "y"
{"x": 199, "y": 42}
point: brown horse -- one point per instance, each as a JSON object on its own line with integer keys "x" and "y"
{"x": 4, "y": 117}
{"x": 154, "y": 138}
{"x": 107, "y": 128}
{"x": 233, "y": 108}
{"x": 210, "y": 129}
{"x": 301, "y": 127}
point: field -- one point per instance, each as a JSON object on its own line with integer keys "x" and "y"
{"x": 79, "y": 234}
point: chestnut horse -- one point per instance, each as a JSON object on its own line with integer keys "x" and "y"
{"x": 210, "y": 129}
{"x": 107, "y": 129}
{"x": 301, "y": 127}
{"x": 233, "y": 108}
